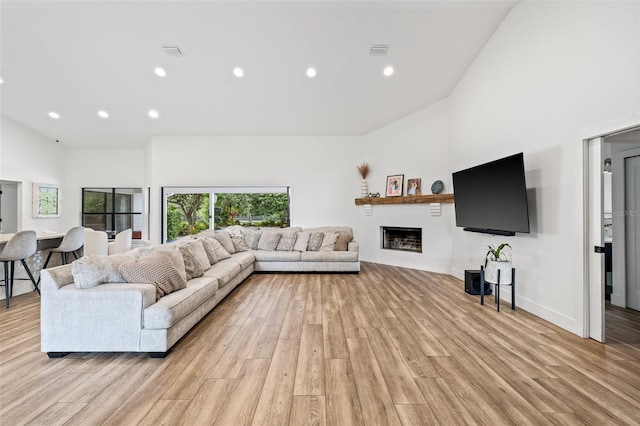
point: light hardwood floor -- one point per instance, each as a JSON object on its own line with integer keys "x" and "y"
{"x": 389, "y": 346}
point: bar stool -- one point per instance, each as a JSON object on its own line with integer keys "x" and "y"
{"x": 72, "y": 241}
{"x": 20, "y": 247}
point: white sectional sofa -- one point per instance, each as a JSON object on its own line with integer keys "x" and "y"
{"x": 129, "y": 316}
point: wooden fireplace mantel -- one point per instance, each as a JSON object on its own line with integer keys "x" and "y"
{"x": 414, "y": 199}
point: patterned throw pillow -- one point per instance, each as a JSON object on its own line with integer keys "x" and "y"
{"x": 157, "y": 269}
{"x": 225, "y": 239}
{"x": 315, "y": 241}
{"x": 329, "y": 241}
{"x": 201, "y": 254}
{"x": 269, "y": 240}
{"x": 172, "y": 251}
{"x": 302, "y": 241}
{"x": 239, "y": 244}
{"x": 252, "y": 238}
{"x": 192, "y": 265}
{"x": 343, "y": 241}
{"x": 287, "y": 241}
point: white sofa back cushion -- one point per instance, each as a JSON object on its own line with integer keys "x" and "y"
{"x": 93, "y": 270}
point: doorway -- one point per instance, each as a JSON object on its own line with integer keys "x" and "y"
{"x": 8, "y": 206}
{"x": 612, "y": 228}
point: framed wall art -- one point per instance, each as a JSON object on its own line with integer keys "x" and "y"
{"x": 414, "y": 186}
{"x": 46, "y": 200}
{"x": 394, "y": 185}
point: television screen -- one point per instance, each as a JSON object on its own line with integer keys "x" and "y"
{"x": 492, "y": 197}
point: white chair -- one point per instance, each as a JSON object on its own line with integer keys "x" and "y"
{"x": 122, "y": 242}
{"x": 95, "y": 242}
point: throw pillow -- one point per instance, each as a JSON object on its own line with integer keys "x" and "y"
{"x": 206, "y": 233}
{"x": 252, "y": 238}
{"x": 344, "y": 238}
{"x": 192, "y": 265}
{"x": 225, "y": 239}
{"x": 157, "y": 269}
{"x": 302, "y": 241}
{"x": 269, "y": 240}
{"x": 210, "y": 248}
{"x": 329, "y": 241}
{"x": 172, "y": 251}
{"x": 287, "y": 241}
{"x": 220, "y": 252}
{"x": 201, "y": 254}
{"x": 315, "y": 241}
{"x": 239, "y": 244}
{"x": 90, "y": 271}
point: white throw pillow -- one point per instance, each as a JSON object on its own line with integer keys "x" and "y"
{"x": 302, "y": 240}
{"x": 90, "y": 271}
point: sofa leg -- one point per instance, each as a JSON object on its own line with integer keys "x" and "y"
{"x": 159, "y": 355}
{"x": 56, "y": 354}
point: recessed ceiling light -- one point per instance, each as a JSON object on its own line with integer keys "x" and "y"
{"x": 153, "y": 113}
{"x": 54, "y": 115}
{"x": 103, "y": 114}
{"x": 388, "y": 71}
{"x": 238, "y": 72}
{"x": 311, "y": 72}
{"x": 160, "y": 72}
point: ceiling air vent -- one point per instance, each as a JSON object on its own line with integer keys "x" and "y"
{"x": 172, "y": 50}
{"x": 379, "y": 49}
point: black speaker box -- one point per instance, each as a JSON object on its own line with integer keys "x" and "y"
{"x": 472, "y": 282}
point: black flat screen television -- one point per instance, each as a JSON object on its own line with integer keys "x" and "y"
{"x": 492, "y": 197}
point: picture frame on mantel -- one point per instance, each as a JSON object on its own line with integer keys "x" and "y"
{"x": 414, "y": 187}
{"x": 46, "y": 200}
{"x": 395, "y": 185}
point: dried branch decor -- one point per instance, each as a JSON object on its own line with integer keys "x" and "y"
{"x": 363, "y": 169}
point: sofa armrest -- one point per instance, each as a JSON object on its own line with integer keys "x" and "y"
{"x": 353, "y": 246}
{"x": 105, "y": 318}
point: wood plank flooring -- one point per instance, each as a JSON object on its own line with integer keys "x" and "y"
{"x": 389, "y": 346}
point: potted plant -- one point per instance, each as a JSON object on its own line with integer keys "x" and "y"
{"x": 497, "y": 259}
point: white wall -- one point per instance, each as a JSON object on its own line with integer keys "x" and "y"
{"x": 101, "y": 168}
{"x": 9, "y": 208}
{"x": 416, "y": 146}
{"x": 28, "y": 157}
{"x": 551, "y": 70}
{"x": 321, "y": 171}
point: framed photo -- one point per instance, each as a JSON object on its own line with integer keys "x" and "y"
{"x": 414, "y": 186}
{"x": 394, "y": 185}
{"x": 46, "y": 200}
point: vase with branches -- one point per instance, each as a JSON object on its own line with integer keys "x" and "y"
{"x": 363, "y": 169}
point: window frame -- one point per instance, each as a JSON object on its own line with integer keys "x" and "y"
{"x": 143, "y": 213}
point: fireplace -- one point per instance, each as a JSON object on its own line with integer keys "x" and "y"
{"x": 404, "y": 239}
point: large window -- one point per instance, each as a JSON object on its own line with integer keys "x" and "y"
{"x": 190, "y": 210}
{"x": 113, "y": 210}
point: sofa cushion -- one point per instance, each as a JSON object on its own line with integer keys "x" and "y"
{"x": 276, "y": 256}
{"x": 224, "y": 272}
{"x": 269, "y": 240}
{"x": 156, "y": 269}
{"x": 302, "y": 241}
{"x": 90, "y": 271}
{"x": 224, "y": 238}
{"x": 344, "y": 238}
{"x": 192, "y": 265}
{"x": 169, "y": 310}
{"x": 287, "y": 241}
{"x": 329, "y": 241}
{"x": 329, "y": 256}
{"x": 172, "y": 251}
{"x": 252, "y": 238}
{"x": 244, "y": 259}
{"x": 315, "y": 241}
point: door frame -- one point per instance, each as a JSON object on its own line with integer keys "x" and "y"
{"x": 595, "y": 309}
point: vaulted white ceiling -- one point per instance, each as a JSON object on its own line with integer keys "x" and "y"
{"x": 76, "y": 58}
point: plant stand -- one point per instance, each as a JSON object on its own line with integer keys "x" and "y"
{"x": 498, "y": 284}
